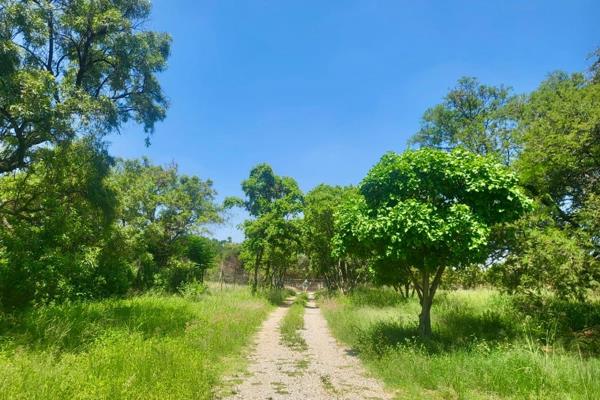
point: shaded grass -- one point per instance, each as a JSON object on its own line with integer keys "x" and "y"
{"x": 146, "y": 347}
{"x": 293, "y": 322}
{"x": 483, "y": 347}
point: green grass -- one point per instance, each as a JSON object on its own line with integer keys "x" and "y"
{"x": 146, "y": 347}
{"x": 483, "y": 347}
{"x": 293, "y": 322}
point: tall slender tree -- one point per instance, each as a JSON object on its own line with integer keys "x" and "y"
{"x": 272, "y": 202}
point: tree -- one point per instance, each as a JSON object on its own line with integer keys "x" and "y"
{"x": 595, "y": 68}
{"x": 561, "y": 154}
{"x": 559, "y": 167}
{"x": 61, "y": 244}
{"x": 320, "y": 205}
{"x": 547, "y": 257}
{"x": 272, "y": 202}
{"x": 202, "y": 252}
{"x": 160, "y": 208}
{"x": 478, "y": 117}
{"x": 74, "y": 66}
{"x": 429, "y": 210}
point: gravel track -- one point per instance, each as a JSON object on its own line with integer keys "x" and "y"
{"x": 325, "y": 370}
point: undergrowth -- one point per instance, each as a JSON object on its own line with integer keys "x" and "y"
{"x": 485, "y": 345}
{"x": 147, "y": 347}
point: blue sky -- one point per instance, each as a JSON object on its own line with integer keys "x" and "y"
{"x": 321, "y": 89}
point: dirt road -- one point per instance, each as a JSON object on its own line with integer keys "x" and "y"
{"x": 325, "y": 370}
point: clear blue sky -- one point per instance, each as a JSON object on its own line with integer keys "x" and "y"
{"x": 321, "y": 89}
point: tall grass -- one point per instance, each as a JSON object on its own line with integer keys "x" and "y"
{"x": 483, "y": 347}
{"x": 147, "y": 347}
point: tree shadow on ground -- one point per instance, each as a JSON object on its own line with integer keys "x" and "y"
{"x": 452, "y": 332}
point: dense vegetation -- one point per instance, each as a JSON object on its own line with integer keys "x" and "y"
{"x": 74, "y": 222}
{"x": 487, "y": 345}
{"x": 498, "y": 190}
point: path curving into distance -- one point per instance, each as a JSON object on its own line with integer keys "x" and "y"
{"x": 324, "y": 370}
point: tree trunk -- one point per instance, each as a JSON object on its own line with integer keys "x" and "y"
{"x": 426, "y": 291}
{"x": 425, "y": 317}
{"x": 256, "y": 266}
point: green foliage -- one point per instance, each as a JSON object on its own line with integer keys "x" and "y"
{"x": 275, "y": 296}
{"x": 428, "y": 210}
{"x": 563, "y": 115}
{"x": 160, "y": 210}
{"x": 474, "y": 116}
{"x": 320, "y": 206}
{"x": 273, "y": 234}
{"x": 75, "y": 228}
{"x": 545, "y": 257}
{"x": 375, "y": 297}
{"x": 58, "y": 239}
{"x": 154, "y": 347}
{"x": 75, "y": 67}
{"x": 557, "y": 248}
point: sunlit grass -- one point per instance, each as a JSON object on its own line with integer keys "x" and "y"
{"x": 482, "y": 348}
{"x": 147, "y": 347}
{"x": 293, "y": 322}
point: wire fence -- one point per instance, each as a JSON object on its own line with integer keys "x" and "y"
{"x": 243, "y": 279}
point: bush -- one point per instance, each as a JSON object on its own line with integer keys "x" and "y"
{"x": 180, "y": 272}
{"x": 193, "y": 290}
{"x": 574, "y": 325}
{"x": 276, "y": 296}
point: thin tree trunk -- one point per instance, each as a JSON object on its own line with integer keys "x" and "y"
{"x": 256, "y": 266}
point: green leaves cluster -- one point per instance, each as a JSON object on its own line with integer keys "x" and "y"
{"x": 478, "y": 117}
{"x": 77, "y": 226}
{"x": 554, "y": 134}
{"x": 428, "y": 208}
{"x": 75, "y": 67}
{"x": 340, "y": 271}
{"x": 423, "y": 211}
{"x": 273, "y": 233}
{"x": 162, "y": 212}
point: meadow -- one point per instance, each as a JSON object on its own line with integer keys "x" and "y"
{"x": 485, "y": 345}
{"x": 153, "y": 346}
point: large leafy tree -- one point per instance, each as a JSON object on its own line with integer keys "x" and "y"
{"x": 478, "y": 117}
{"x": 271, "y": 233}
{"x": 560, "y": 167}
{"x": 561, "y": 157}
{"x": 65, "y": 245}
{"x": 71, "y": 66}
{"x": 320, "y": 205}
{"x": 160, "y": 208}
{"x": 429, "y": 210}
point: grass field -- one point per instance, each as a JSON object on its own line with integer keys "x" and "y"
{"x": 483, "y": 348}
{"x": 146, "y": 347}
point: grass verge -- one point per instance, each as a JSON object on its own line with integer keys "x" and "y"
{"x": 482, "y": 348}
{"x": 293, "y": 322}
{"x": 146, "y": 347}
